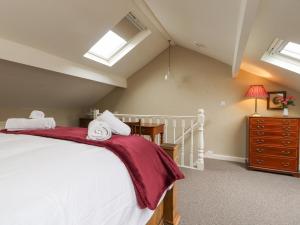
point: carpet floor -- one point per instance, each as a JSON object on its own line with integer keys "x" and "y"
{"x": 228, "y": 194}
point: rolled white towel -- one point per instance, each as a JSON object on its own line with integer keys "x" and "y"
{"x": 98, "y": 131}
{"x": 35, "y": 114}
{"x": 15, "y": 124}
{"x": 116, "y": 125}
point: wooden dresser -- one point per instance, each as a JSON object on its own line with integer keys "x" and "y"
{"x": 273, "y": 144}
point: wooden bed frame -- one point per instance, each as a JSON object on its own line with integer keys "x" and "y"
{"x": 166, "y": 212}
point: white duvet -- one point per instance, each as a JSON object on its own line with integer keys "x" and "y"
{"x": 52, "y": 182}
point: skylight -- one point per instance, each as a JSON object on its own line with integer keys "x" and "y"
{"x": 108, "y": 45}
{"x": 118, "y": 41}
{"x": 291, "y": 49}
{"x": 283, "y": 54}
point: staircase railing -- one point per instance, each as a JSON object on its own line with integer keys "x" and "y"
{"x": 187, "y": 131}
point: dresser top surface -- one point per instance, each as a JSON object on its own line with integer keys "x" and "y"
{"x": 275, "y": 117}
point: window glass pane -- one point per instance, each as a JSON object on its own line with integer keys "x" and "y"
{"x": 292, "y": 50}
{"x": 108, "y": 45}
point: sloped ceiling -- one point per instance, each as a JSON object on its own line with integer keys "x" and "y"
{"x": 275, "y": 19}
{"x": 68, "y": 29}
{"x": 208, "y": 27}
{"x": 53, "y": 35}
{"x": 26, "y": 86}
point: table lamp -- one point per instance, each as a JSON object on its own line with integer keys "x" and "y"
{"x": 256, "y": 91}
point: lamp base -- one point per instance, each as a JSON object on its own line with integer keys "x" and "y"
{"x": 255, "y": 115}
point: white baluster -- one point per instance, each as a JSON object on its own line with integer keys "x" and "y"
{"x": 200, "y": 119}
{"x": 129, "y": 119}
{"x": 174, "y": 131}
{"x": 182, "y": 142}
{"x": 150, "y": 120}
{"x": 123, "y": 119}
{"x": 192, "y": 145}
{"x": 158, "y": 136}
{"x": 166, "y": 131}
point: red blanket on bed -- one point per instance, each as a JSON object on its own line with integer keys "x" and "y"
{"x": 152, "y": 171}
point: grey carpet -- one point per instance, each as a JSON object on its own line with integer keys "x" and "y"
{"x": 228, "y": 194}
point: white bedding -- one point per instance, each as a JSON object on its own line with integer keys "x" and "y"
{"x": 52, "y": 182}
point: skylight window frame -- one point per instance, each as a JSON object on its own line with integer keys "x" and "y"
{"x": 274, "y": 56}
{"x": 119, "y": 50}
{"x": 124, "y": 50}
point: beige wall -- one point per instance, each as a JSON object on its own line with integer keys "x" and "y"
{"x": 198, "y": 82}
{"x": 63, "y": 117}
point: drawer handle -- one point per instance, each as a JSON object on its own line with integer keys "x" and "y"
{"x": 260, "y": 126}
{"x": 260, "y": 150}
{"x": 285, "y": 152}
{"x": 286, "y": 142}
{"x": 285, "y": 164}
{"x": 259, "y": 161}
{"x": 286, "y": 134}
{"x": 260, "y": 133}
{"x": 260, "y": 141}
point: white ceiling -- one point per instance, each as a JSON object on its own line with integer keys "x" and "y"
{"x": 211, "y": 23}
{"x": 275, "y": 19}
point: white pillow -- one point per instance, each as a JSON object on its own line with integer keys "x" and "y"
{"x": 116, "y": 125}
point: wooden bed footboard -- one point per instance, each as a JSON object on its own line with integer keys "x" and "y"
{"x": 166, "y": 212}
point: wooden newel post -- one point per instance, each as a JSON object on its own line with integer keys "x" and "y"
{"x": 200, "y": 146}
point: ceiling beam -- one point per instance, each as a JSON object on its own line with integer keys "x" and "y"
{"x": 26, "y": 55}
{"x": 247, "y": 15}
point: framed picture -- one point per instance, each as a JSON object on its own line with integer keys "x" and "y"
{"x": 273, "y": 103}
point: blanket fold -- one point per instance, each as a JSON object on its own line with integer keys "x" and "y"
{"x": 152, "y": 171}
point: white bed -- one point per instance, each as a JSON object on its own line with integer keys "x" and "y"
{"x": 53, "y": 182}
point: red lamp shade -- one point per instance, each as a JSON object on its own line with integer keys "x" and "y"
{"x": 256, "y": 91}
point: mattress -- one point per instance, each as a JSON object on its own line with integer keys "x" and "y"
{"x": 47, "y": 181}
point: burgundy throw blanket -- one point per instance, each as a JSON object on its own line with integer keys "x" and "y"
{"x": 152, "y": 171}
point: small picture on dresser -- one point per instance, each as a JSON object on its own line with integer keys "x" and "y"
{"x": 273, "y": 103}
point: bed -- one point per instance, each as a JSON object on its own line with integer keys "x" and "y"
{"x": 46, "y": 181}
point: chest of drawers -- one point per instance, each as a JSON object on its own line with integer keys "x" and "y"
{"x": 273, "y": 144}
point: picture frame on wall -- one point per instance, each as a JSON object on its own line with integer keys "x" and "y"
{"x": 272, "y": 102}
